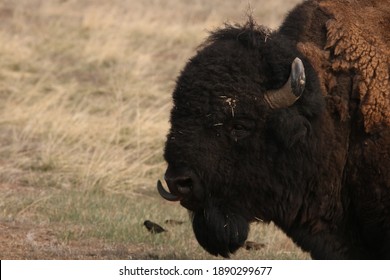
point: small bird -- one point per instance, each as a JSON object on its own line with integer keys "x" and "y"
{"x": 250, "y": 245}
{"x": 173, "y": 222}
{"x": 153, "y": 227}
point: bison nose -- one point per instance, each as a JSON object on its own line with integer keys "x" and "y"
{"x": 181, "y": 185}
{"x": 185, "y": 185}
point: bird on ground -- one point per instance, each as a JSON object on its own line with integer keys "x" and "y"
{"x": 173, "y": 222}
{"x": 153, "y": 227}
{"x": 251, "y": 245}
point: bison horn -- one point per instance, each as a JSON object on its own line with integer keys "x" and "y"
{"x": 165, "y": 194}
{"x": 291, "y": 91}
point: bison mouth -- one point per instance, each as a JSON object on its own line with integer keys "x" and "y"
{"x": 184, "y": 186}
{"x": 184, "y": 195}
{"x": 219, "y": 230}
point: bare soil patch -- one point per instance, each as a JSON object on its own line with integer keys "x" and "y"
{"x": 28, "y": 241}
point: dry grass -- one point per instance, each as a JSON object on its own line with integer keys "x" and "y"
{"x": 84, "y": 103}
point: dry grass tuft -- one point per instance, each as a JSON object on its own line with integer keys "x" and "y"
{"x": 84, "y": 104}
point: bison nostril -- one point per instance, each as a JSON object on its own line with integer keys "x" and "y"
{"x": 184, "y": 190}
{"x": 181, "y": 185}
{"x": 184, "y": 186}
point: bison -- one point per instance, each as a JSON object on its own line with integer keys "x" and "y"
{"x": 290, "y": 126}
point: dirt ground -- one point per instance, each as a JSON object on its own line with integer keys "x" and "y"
{"x": 28, "y": 241}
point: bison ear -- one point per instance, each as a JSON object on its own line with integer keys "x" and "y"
{"x": 287, "y": 128}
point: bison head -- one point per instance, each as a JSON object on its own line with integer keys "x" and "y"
{"x": 240, "y": 109}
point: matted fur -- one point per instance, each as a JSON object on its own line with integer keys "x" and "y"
{"x": 358, "y": 36}
{"x": 358, "y": 41}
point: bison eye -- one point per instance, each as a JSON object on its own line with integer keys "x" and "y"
{"x": 240, "y": 129}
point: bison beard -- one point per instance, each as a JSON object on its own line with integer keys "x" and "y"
{"x": 219, "y": 233}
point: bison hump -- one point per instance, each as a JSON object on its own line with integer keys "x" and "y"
{"x": 358, "y": 38}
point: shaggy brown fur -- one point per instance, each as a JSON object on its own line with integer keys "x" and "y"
{"x": 358, "y": 43}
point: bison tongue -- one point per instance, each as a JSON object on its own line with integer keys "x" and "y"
{"x": 165, "y": 194}
{"x": 219, "y": 233}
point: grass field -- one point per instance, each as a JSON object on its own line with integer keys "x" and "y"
{"x": 85, "y": 95}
